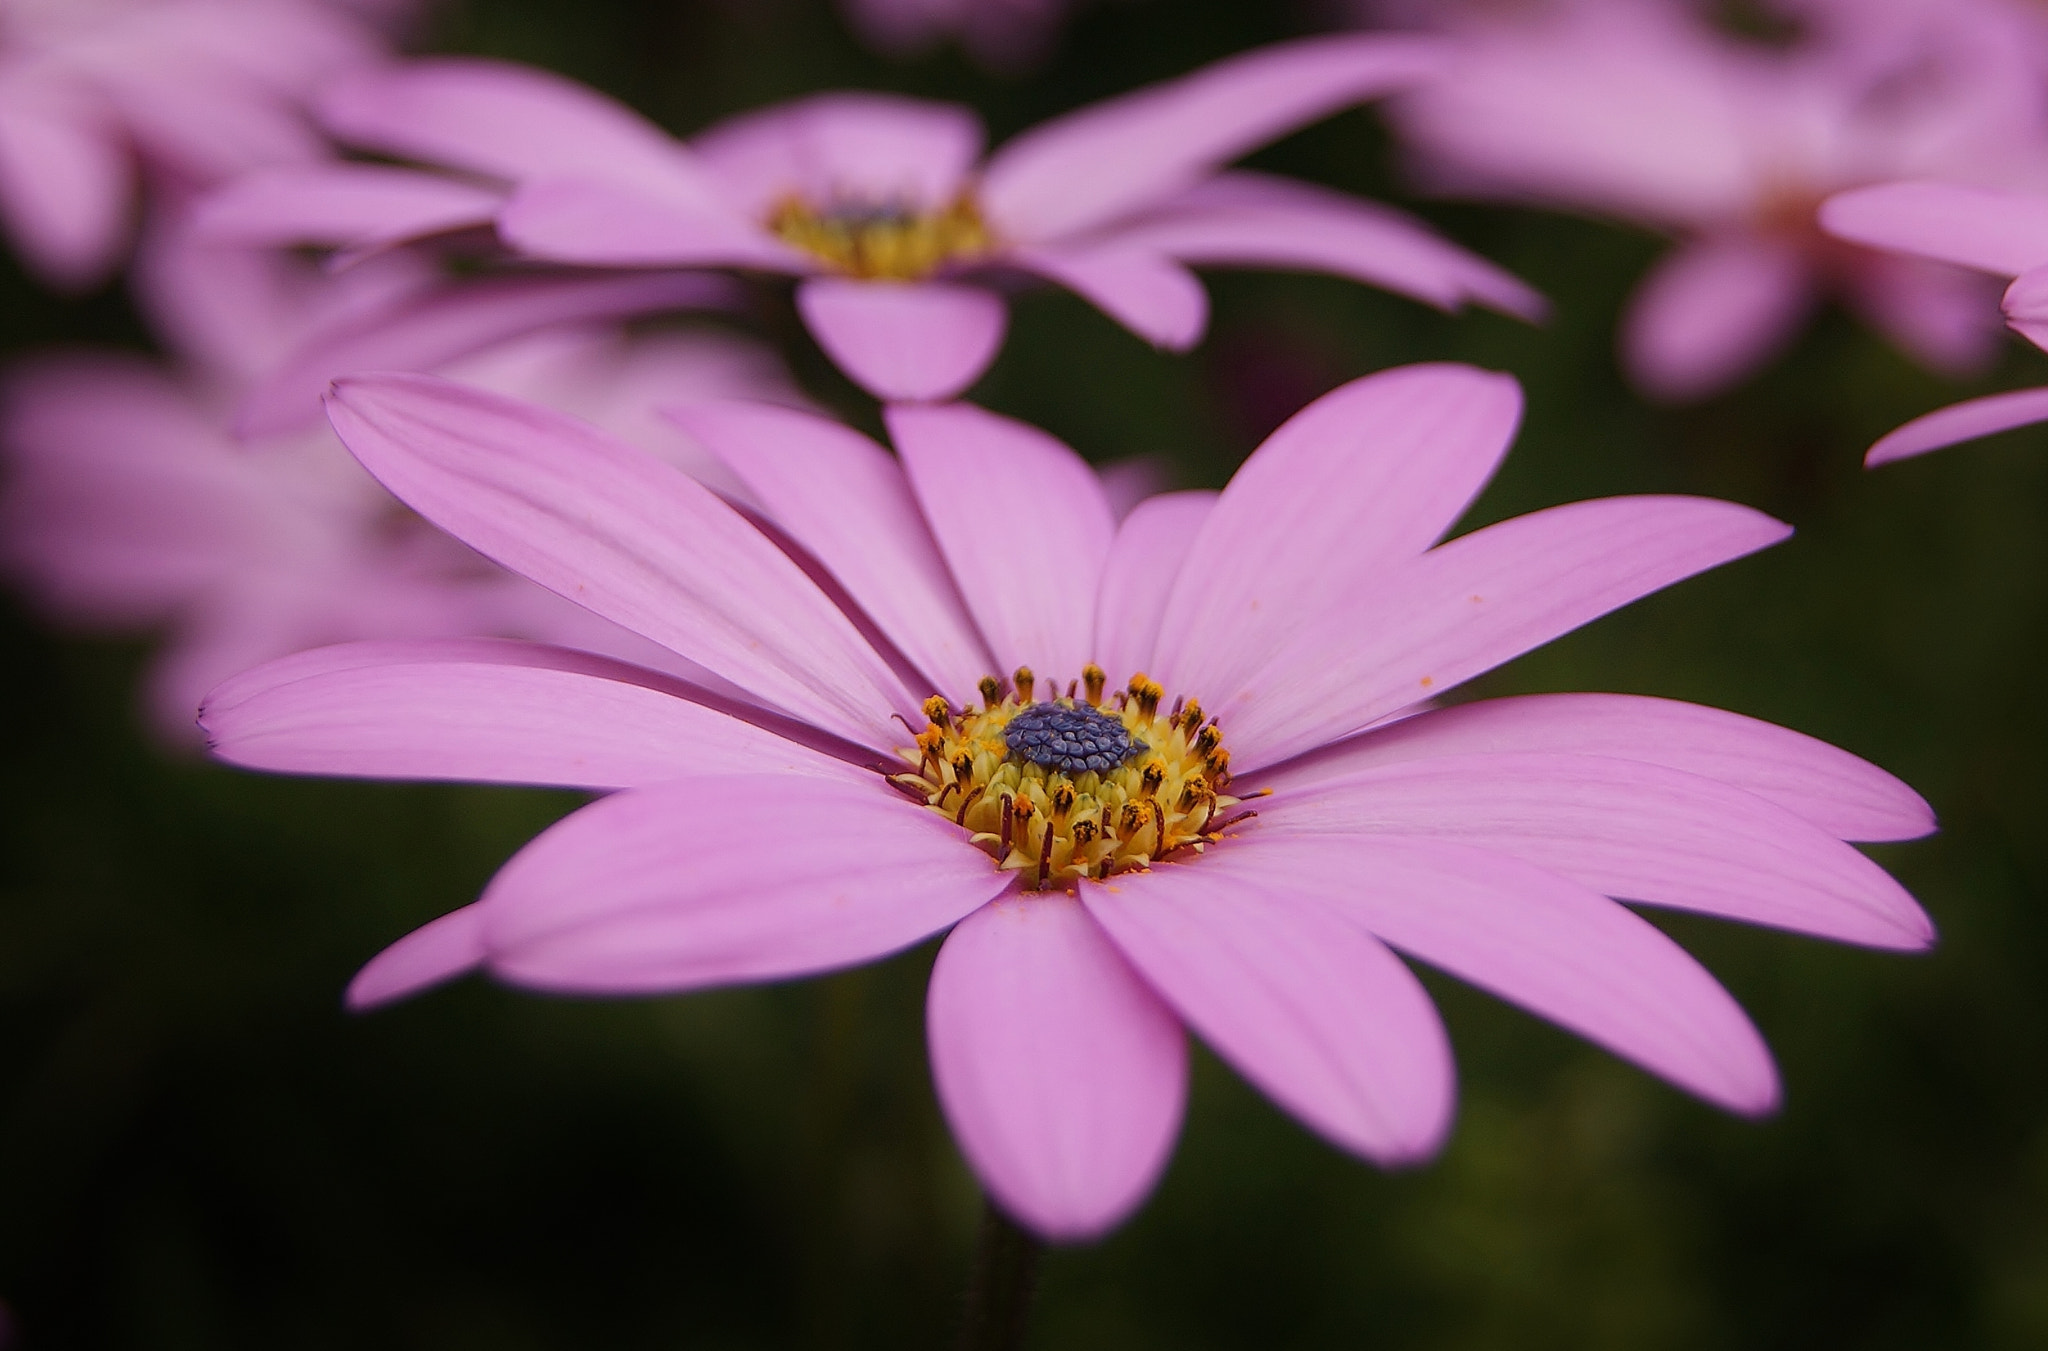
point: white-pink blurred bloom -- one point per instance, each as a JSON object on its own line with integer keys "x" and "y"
{"x": 100, "y": 97}
{"x": 1640, "y": 110}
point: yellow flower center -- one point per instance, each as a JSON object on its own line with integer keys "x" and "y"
{"x": 1069, "y": 787}
{"x": 882, "y": 241}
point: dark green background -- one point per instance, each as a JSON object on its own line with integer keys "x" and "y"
{"x": 199, "y": 1149}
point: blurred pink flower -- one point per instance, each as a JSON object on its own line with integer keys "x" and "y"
{"x": 1091, "y": 850}
{"x": 98, "y": 95}
{"x": 1003, "y": 35}
{"x": 901, "y": 232}
{"x": 1639, "y": 110}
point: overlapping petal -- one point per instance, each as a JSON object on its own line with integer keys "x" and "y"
{"x": 1993, "y": 231}
{"x": 1141, "y": 288}
{"x": 875, "y": 148}
{"x": 913, "y": 341}
{"x": 1152, "y": 545}
{"x": 341, "y": 206}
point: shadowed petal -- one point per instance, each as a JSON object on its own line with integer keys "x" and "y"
{"x": 1062, "y": 1075}
{"x": 1849, "y": 798}
{"x": 874, "y": 149}
{"x": 716, "y": 881}
{"x": 1364, "y": 478}
{"x": 1023, "y": 524}
{"x": 1150, "y": 546}
{"x": 2002, "y": 232}
{"x": 846, "y": 500}
{"x": 490, "y": 711}
{"x": 1298, "y": 999}
{"x": 623, "y": 534}
{"x": 1142, "y": 289}
{"x": 341, "y": 206}
{"x": 438, "y": 950}
{"x": 1965, "y": 421}
{"x": 1627, "y": 829}
{"x": 1711, "y": 312}
{"x": 916, "y": 341}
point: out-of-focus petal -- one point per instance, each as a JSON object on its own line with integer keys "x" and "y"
{"x": 717, "y": 880}
{"x": 1062, "y": 1075}
{"x": 438, "y": 950}
{"x": 1712, "y": 311}
{"x": 1965, "y": 421}
{"x": 1943, "y": 317}
{"x": 341, "y": 206}
{"x": 1993, "y": 231}
{"x": 910, "y": 341}
{"x": 1631, "y": 830}
{"x": 1143, "y": 289}
{"x": 65, "y": 184}
{"x": 1127, "y": 153}
{"x": 2026, "y": 306}
{"x": 876, "y": 149}
{"x": 1850, "y": 798}
{"x": 1301, "y": 1001}
{"x": 1131, "y": 480}
{"x": 989, "y": 484}
{"x": 846, "y": 500}
{"x": 624, "y": 535}
{"x": 649, "y": 222}
{"x": 1150, "y": 546}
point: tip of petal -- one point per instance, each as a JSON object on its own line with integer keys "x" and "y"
{"x": 433, "y": 953}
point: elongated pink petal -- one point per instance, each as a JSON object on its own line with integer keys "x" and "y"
{"x": 1116, "y": 157}
{"x": 1035, "y": 608}
{"x": 717, "y": 880}
{"x": 1940, "y": 315}
{"x": 1713, "y": 311}
{"x": 1062, "y": 1075}
{"x": 596, "y": 222}
{"x": 846, "y": 500}
{"x": 1558, "y": 949}
{"x": 1849, "y": 798}
{"x": 1469, "y": 605}
{"x": 490, "y": 711}
{"x": 622, "y": 534}
{"x": 1253, "y": 220}
{"x": 341, "y": 206}
{"x": 1143, "y": 289}
{"x": 914, "y": 341}
{"x": 1965, "y": 421}
{"x": 438, "y": 950}
{"x": 1984, "y": 228}
{"x": 867, "y": 149}
{"x": 1364, "y": 478}
{"x": 1301, "y": 1001}
{"x": 425, "y": 331}
{"x": 2026, "y": 306}
{"x": 65, "y": 183}
{"x": 1151, "y": 545}
{"x": 1628, "y": 829}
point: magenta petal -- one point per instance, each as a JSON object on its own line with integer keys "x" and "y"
{"x": 489, "y": 711}
{"x": 1062, "y": 1075}
{"x": 844, "y": 145}
{"x": 716, "y": 881}
{"x": 65, "y": 183}
{"x": 1712, "y": 311}
{"x": 1965, "y": 421}
{"x": 436, "y": 951}
{"x": 914, "y": 341}
{"x": 1301, "y": 1001}
{"x": 624, "y": 535}
{"x": 1112, "y": 158}
{"x": 1364, "y": 478}
{"x": 963, "y": 460}
{"x": 1627, "y": 829}
{"x": 1142, "y": 289}
{"x": 647, "y": 222}
{"x": 1469, "y": 605}
{"x": 1849, "y": 798}
{"x": 1144, "y": 560}
{"x": 1556, "y": 948}
{"x": 1993, "y": 231}
{"x": 341, "y": 206}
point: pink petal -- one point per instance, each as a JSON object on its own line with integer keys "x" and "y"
{"x": 341, "y": 205}
{"x": 2026, "y": 306}
{"x": 2002, "y": 232}
{"x": 1062, "y": 1075}
{"x": 1965, "y": 421}
{"x": 1469, "y": 605}
{"x": 1849, "y": 798}
{"x": 1937, "y": 314}
{"x": 914, "y": 341}
{"x": 877, "y": 149}
{"x": 1253, "y": 220}
{"x": 646, "y": 222}
{"x": 436, "y": 951}
{"x": 716, "y": 881}
{"x": 1131, "y": 480}
{"x": 624, "y": 535}
{"x": 1711, "y": 312}
{"x": 1111, "y": 158}
{"x": 1559, "y": 950}
{"x": 846, "y": 500}
{"x": 1301, "y": 1001}
{"x": 66, "y": 183}
{"x": 1035, "y": 608}
{"x": 425, "y": 331}
{"x": 490, "y": 711}
{"x": 1142, "y": 289}
{"x": 1632, "y": 830}
{"x": 1146, "y": 557}
{"x": 1363, "y": 479}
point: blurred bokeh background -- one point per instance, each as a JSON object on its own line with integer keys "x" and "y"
{"x": 198, "y": 1148}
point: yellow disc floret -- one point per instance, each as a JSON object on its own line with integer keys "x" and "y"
{"x": 1071, "y": 787}
{"x": 883, "y": 241}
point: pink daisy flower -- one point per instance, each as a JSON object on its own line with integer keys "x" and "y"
{"x": 902, "y": 232}
{"x": 1643, "y": 112}
{"x": 1233, "y": 836}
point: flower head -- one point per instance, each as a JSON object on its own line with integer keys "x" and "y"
{"x": 903, "y": 773}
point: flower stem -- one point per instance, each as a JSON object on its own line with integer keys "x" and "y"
{"x": 999, "y": 1291}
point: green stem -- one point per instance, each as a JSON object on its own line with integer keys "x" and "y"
{"x": 999, "y": 1290}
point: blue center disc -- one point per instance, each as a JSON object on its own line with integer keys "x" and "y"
{"x": 1074, "y": 739}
